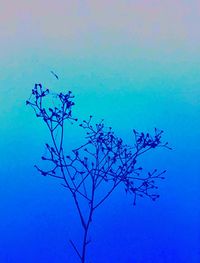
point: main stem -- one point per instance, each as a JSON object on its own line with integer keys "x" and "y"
{"x": 85, "y": 243}
{"x": 86, "y": 228}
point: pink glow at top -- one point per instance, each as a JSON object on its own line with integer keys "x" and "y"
{"x": 144, "y": 21}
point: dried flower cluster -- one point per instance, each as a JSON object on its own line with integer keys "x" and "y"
{"x": 103, "y": 159}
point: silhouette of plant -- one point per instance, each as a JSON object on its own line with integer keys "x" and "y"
{"x": 94, "y": 170}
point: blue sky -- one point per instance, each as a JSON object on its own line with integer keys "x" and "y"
{"x": 135, "y": 64}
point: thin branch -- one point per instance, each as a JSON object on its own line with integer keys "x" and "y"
{"x": 73, "y": 245}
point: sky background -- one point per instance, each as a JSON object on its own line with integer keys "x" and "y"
{"x": 134, "y": 63}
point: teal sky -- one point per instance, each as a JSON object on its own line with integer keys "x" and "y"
{"x": 134, "y": 63}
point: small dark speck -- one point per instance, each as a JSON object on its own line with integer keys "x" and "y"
{"x": 55, "y": 75}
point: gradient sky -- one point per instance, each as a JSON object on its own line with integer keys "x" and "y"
{"x": 134, "y": 63}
